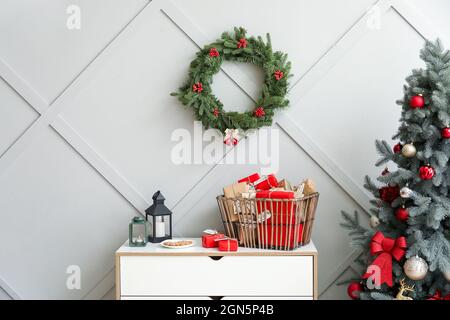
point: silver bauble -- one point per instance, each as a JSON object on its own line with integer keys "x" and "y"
{"x": 405, "y": 192}
{"x": 374, "y": 222}
{"x": 415, "y": 268}
{"x": 446, "y": 275}
{"x": 408, "y": 150}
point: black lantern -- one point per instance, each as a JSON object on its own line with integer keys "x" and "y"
{"x": 160, "y": 219}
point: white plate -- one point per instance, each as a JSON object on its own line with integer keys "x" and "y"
{"x": 164, "y": 244}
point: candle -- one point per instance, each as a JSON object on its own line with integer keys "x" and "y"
{"x": 160, "y": 229}
{"x": 139, "y": 239}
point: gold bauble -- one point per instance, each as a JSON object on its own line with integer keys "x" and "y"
{"x": 408, "y": 150}
{"x": 415, "y": 268}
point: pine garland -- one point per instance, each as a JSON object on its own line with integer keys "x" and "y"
{"x": 196, "y": 93}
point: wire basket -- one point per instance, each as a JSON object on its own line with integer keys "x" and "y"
{"x": 264, "y": 223}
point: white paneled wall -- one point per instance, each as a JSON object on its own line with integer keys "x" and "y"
{"x": 86, "y": 120}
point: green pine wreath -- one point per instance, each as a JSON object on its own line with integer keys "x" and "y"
{"x": 196, "y": 93}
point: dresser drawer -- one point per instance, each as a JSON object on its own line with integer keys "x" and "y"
{"x": 227, "y": 276}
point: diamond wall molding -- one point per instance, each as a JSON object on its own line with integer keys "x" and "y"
{"x": 49, "y": 115}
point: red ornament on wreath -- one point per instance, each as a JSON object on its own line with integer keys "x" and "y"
{"x": 445, "y": 133}
{"x": 389, "y": 193}
{"x": 354, "y": 289}
{"x": 213, "y": 52}
{"x": 426, "y": 172}
{"x": 417, "y": 101}
{"x": 242, "y": 43}
{"x": 278, "y": 75}
{"x": 259, "y": 112}
{"x": 402, "y": 214}
{"x": 216, "y": 112}
{"x": 197, "y": 87}
{"x": 397, "y": 148}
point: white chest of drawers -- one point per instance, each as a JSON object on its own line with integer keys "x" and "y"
{"x": 154, "y": 272}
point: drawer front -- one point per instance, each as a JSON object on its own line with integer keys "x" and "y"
{"x": 209, "y": 298}
{"x": 228, "y": 276}
{"x": 269, "y": 298}
{"x": 163, "y": 298}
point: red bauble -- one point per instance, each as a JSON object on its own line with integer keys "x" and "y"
{"x": 397, "y": 148}
{"x": 278, "y": 75}
{"x": 426, "y": 172}
{"x": 402, "y": 214}
{"x": 242, "y": 43}
{"x": 216, "y": 112}
{"x": 197, "y": 87}
{"x": 389, "y": 194}
{"x": 354, "y": 289}
{"x": 259, "y": 112}
{"x": 445, "y": 133}
{"x": 417, "y": 102}
{"x": 213, "y": 52}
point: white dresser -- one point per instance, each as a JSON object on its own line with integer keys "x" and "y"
{"x": 154, "y": 272}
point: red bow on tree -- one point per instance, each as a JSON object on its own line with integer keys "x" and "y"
{"x": 385, "y": 248}
{"x": 438, "y": 296}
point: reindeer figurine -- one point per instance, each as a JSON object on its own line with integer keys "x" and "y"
{"x": 403, "y": 288}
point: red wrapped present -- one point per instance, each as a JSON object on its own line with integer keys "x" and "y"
{"x": 209, "y": 239}
{"x": 279, "y": 194}
{"x": 228, "y": 245}
{"x": 251, "y": 178}
{"x": 275, "y": 207}
{"x": 270, "y": 182}
{"x": 280, "y": 235}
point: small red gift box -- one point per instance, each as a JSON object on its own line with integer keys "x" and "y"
{"x": 210, "y": 240}
{"x": 270, "y": 182}
{"x": 251, "y": 178}
{"x": 228, "y": 245}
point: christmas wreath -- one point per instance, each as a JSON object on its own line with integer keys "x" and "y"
{"x": 196, "y": 93}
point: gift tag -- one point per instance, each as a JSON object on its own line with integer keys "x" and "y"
{"x": 210, "y": 231}
{"x": 265, "y": 215}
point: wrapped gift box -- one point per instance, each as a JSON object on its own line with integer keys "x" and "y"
{"x": 270, "y": 182}
{"x": 280, "y": 235}
{"x": 210, "y": 240}
{"x": 228, "y": 245}
{"x": 235, "y": 191}
{"x": 251, "y": 178}
{"x": 275, "y": 207}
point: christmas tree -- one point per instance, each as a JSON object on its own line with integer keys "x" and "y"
{"x": 406, "y": 252}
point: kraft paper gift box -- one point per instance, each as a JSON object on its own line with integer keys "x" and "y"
{"x": 285, "y": 184}
{"x": 308, "y": 187}
{"x": 234, "y": 191}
